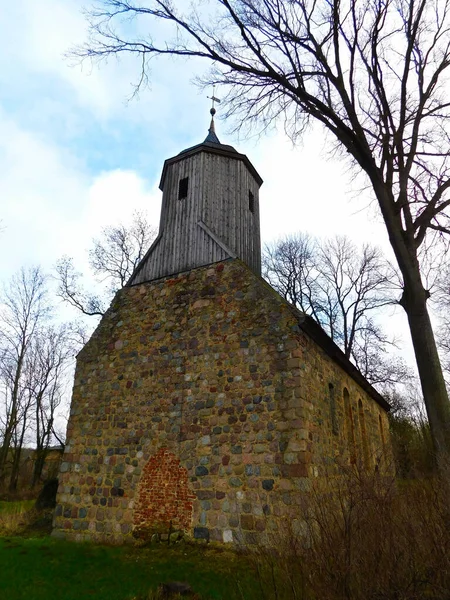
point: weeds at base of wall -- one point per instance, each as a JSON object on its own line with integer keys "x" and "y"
{"x": 22, "y": 518}
{"x": 369, "y": 538}
{"x": 15, "y": 521}
{"x": 21, "y": 495}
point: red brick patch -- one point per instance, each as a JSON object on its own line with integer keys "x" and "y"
{"x": 164, "y": 499}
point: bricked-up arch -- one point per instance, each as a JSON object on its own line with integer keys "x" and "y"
{"x": 164, "y": 500}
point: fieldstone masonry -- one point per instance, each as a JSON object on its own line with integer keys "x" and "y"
{"x": 204, "y": 402}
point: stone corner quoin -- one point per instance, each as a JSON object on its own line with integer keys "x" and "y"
{"x": 202, "y": 406}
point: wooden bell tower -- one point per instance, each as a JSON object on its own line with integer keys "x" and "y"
{"x": 210, "y": 211}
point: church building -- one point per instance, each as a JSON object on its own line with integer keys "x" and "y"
{"x": 204, "y": 404}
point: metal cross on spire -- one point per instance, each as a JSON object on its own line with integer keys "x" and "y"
{"x": 214, "y": 99}
{"x": 212, "y": 137}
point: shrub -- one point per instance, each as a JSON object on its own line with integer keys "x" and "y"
{"x": 368, "y": 538}
{"x": 15, "y": 517}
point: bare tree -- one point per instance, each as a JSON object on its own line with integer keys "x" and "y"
{"x": 24, "y": 416}
{"x": 343, "y": 288}
{"x": 71, "y": 290}
{"x": 442, "y": 307}
{"x": 119, "y": 250}
{"x": 48, "y": 361}
{"x": 35, "y": 356}
{"x": 24, "y": 309}
{"x": 354, "y": 284}
{"x": 113, "y": 258}
{"x": 374, "y": 355}
{"x": 289, "y": 265}
{"x": 372, "y": 73}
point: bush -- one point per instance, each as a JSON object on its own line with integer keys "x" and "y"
{"x": 412, "y": 447}
{"x": 367, "y": 539}
{"x": 15, "y": 517}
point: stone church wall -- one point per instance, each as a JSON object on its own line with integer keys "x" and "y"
{"x": 200, "y": 404}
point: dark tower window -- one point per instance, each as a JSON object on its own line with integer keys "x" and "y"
{"x": 251, "y": 201}
{"x": 183, "y": 188}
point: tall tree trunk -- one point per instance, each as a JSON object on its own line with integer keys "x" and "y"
{"x": 414, "y": 302}
{"x": 15, "y": 471}
{"x": 12, "y": 421}
{"x": 42, "y": 448}
{"x": 5, "y": 449}
{"x": 435, "y": 394}
{"x": 41, "y": 455}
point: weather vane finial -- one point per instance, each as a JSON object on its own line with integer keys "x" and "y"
{"x": 214, "y": 99}
{"x": 212, "y": 137}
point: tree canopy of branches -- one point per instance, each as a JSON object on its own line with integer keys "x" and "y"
{"x": 112, "y": 258}
{"x": 342, "y": 288}
{"x": 50, "y": 357}
{"x": 371, "y": 72}
{"x": 34, "y": 355}
{"x": 24, "y": 307}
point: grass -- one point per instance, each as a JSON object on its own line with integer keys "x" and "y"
{"x": 42, "y": 568}
{"x": 15, "y": 516}
{"x": 371, "y": 537}
{"x": 35, "y": 566}
{"x": 19, "y": 507}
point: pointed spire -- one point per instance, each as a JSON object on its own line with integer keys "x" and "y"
{"x": 212, "y": 137}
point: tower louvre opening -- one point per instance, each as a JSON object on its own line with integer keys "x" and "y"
{"x": 183, "y": 187}
{"x": 251, "y": 201}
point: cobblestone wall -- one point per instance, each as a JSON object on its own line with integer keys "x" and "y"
{"x": 209, "y": 375}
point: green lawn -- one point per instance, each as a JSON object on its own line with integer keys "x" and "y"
{"x": 43, "y": 568}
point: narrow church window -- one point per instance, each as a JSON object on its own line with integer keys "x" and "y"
{"x": 350, "y": 430}
{"x": 183, "y": 188}
{"x": 334, "y": 422}
{"x": 380, "y": 424}
{"x": 362, "y": 425}
{"x": 356, "y": 433}
{"x": 383, "y": 442}
{"x": 251, "y": 201}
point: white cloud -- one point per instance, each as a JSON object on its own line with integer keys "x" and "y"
{"x": 304, "y": 190}
{"x": 39, "y": 35}
{"x": 114, "y": 196}
{"x": 39, "y": 191}
{"x": 50, "y": 205}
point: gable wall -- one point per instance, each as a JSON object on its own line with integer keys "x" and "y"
{"x": 211, "y": 370}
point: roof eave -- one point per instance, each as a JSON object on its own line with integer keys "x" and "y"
{"x": 221, "y": 151}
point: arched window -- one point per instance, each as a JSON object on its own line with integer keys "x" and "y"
{"x": 349, "y": 427}
{"x": 362, "y": 426}
{"x": 380, "y": 425}
{"x": 333, "y": 413}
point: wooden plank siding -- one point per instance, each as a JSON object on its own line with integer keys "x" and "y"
{"x": 217, "y": 196}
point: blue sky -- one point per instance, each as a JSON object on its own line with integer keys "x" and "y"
{"x": 76, "y": 154}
